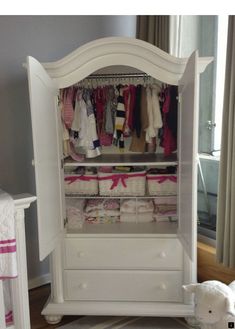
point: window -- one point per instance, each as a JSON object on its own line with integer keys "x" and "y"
{"x": 208, "y": 34}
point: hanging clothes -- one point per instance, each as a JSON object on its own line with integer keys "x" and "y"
{"x": 169, "y": 112}
{"x": 138, "y": 142}
{"x": 76, "y": 118}
{"x": 154, "y": 115}
{"x": 119, "y": 119}
{"x": 110, "y": 109}
{"x": 137, "y": 111}
{"x": 103, "y": 115}
{"x": 92, "y": 144}
{"x": 99, "y": 100}
{"x": 93, "y": 118}
{"x": 68, "y": 111}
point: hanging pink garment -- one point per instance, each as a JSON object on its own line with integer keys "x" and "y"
{"x": 99, "y": 94}
{"x": 100, "y": 103}
{"x": 68, "y": 111}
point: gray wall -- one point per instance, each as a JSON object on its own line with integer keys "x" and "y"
{"x": 47, "y": 38}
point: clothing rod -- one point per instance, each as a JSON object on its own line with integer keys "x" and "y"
{"x": 118, "y": 75}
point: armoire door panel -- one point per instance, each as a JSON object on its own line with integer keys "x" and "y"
{"x": 187, "y": 153}
{"x": 47, "y": 151}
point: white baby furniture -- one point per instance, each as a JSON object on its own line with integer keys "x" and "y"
{"x": 19, "y": 285}
{"x": 117, "y": 269}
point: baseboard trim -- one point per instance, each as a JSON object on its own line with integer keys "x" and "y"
{"x": 39, "y": 281}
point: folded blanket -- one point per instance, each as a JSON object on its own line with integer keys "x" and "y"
{"x": 74, "y": 213}
{"x": 137, "y": 218}
{"x": 7, "y": 302}
{"x": 8, "y": 263}
{"x": 102, "y": 219}
{"x": 102, "y": 213}
{"x": 8, "y": 267}
{"x": 102, "y": 204}
{"x": 132, "y": 206}
{"x": 165, "y": 209}
{"x": 165, "y": 206}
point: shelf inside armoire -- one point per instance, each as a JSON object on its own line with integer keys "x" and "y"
{"x": 143, "y": 159}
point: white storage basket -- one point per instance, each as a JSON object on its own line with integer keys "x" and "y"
{"x": 162, "y": 184}
{"x": 81, "y": 184}
{"x": 119, "y": 184}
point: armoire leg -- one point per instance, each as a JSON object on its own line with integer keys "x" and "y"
{"x": 192, "y": 322}
{"x": 53, "y": 319}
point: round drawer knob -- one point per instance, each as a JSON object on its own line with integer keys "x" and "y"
{"x": 83, "y": 286}
{"x": 162, "y": 254}
{"x": 80, "y": 254}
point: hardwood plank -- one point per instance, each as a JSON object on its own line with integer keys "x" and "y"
{"x": 37, "y": 298}
{"x": 209, "y": 269}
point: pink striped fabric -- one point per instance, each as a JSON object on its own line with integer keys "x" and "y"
{"x": 8, "y": 246}
{"x": 8, "y": 263}
{"x": 9, "y": 318}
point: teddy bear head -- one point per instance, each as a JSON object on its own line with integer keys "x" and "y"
{"x": 212, "y": 301}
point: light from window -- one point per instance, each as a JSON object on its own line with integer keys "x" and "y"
{"x": 220, "y": 75}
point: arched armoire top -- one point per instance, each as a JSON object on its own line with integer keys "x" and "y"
{"x": 110, "y": 51}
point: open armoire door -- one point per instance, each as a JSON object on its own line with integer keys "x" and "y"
{"x": 187, "y": 155}
{"x": 47, "y": 156}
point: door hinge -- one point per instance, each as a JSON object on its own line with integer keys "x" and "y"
{"x": 65, "y": 221}
{"x": 62, "y": 163}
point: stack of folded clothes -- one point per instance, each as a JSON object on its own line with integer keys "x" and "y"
{"x": 102, "y": 211}
{"x": 136, "y": 210}
{"x": 165, "y": 208}
{"x": 74, "y": 213}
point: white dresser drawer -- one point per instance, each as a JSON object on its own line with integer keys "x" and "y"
{"x": 123, "y": 285}
{"x": 123, "y": 253}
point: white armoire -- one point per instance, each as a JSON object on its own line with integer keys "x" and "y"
{"x": 117, "y": 269}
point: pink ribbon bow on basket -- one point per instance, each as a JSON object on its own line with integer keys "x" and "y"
{"x": 120, "y": 178}
{"x": 72, "y": 179}
{"x": 163, "y": 178}
{"x": 116, "y": 179}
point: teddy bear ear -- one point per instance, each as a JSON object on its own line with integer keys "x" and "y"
{"x": 230, "y": 307}
{"x": 191, "y": 287}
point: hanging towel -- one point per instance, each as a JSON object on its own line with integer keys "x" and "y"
{"x": 8, "y": 263}
{"x": 7, "y": 302}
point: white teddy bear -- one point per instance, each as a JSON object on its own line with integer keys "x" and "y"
{"x": 214, "y": 304}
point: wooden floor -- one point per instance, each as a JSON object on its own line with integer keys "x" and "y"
{"x": 37, "y": 298}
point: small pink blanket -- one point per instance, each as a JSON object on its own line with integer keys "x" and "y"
{"x": 8, "y": 263}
